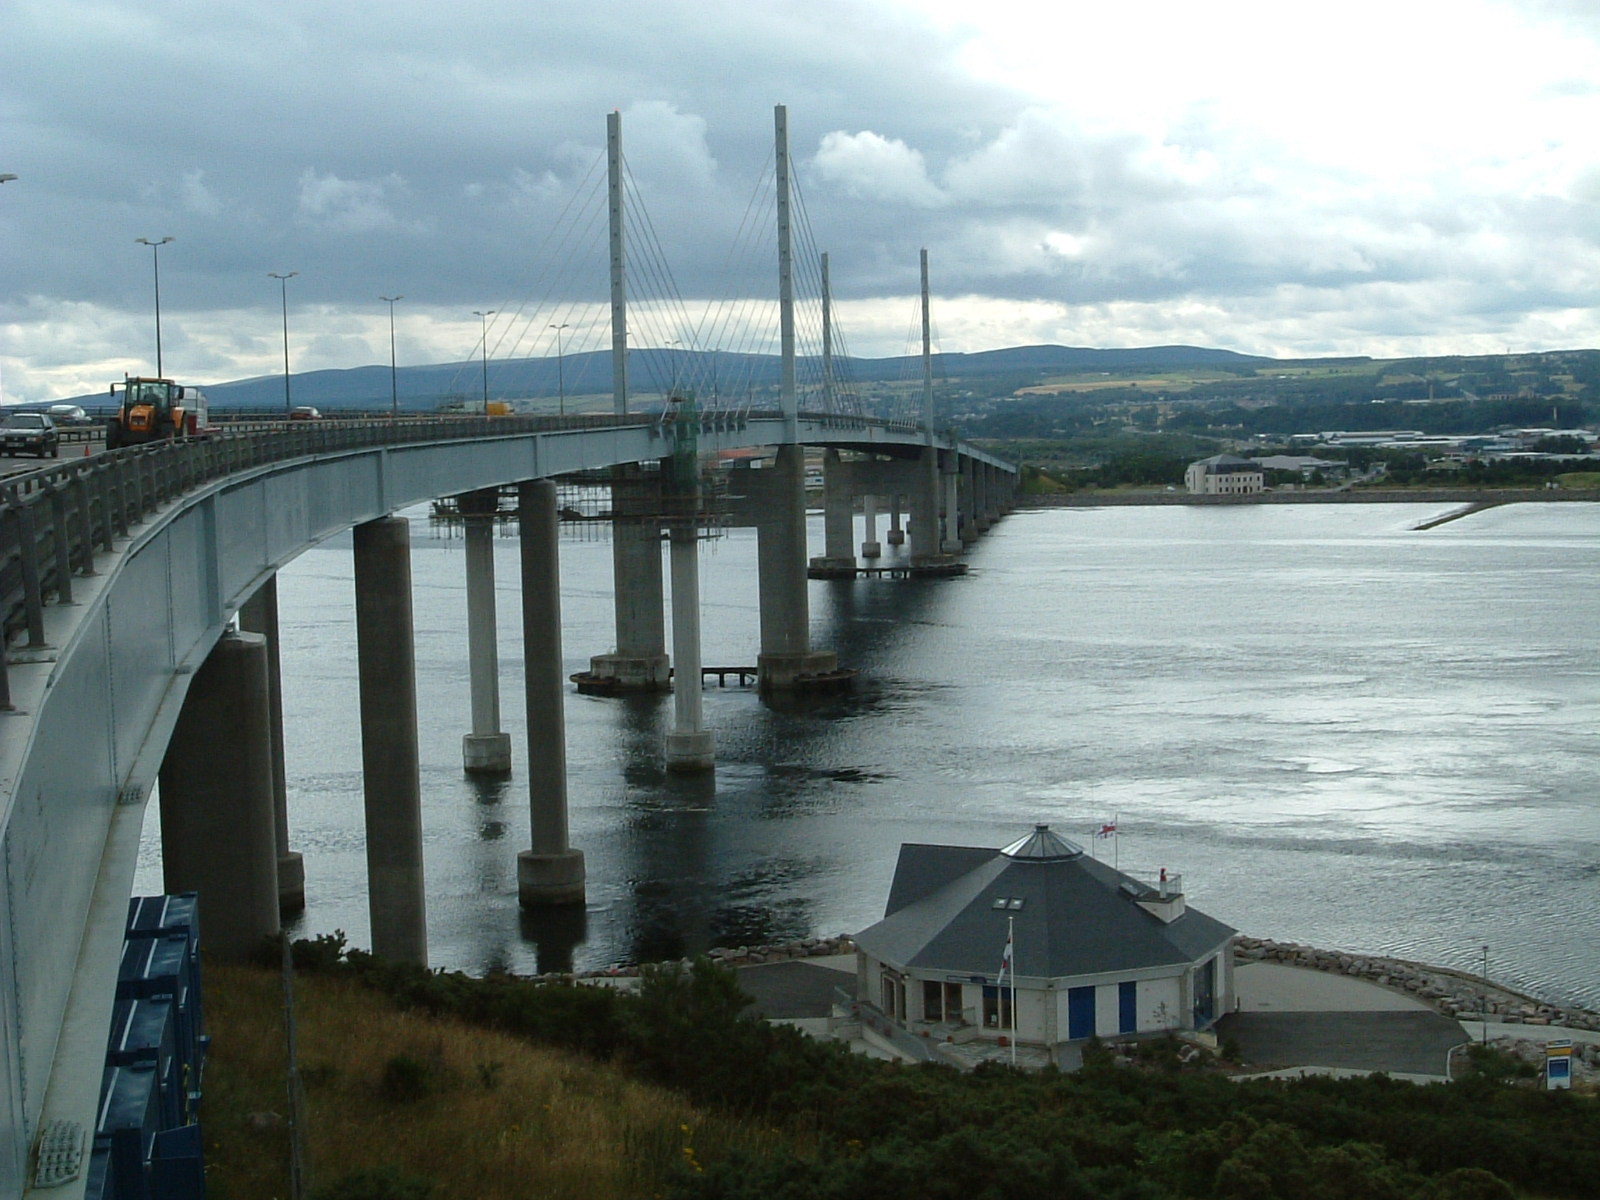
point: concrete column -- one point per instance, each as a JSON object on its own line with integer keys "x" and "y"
{"x": 487, "y": 749}
{"x": 897, "y": 535}
{"x": 949, "y": 481}
{"x": 837, "y": 519}
{"x": 217, "y": 834}
{"x": 639, "y": 663}
{"x": 983, "y": 504}
{"x": 967, "y": 503}
{"x": 870, "y": 546}
{"x": 260, "y": 615}
{"x": 690, "y": 745}
{"x": 551, "y": 872}
{"x": 391, "y": 782}
{"x": 925, "y": 541}
{"x": 786, "y": 653}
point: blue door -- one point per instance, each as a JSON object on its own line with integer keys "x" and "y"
{"x": 1127, "y": 1007}
{"x": 1080, "y": 1013}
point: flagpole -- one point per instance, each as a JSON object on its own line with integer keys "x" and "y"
{"x": 1010, "y": 931}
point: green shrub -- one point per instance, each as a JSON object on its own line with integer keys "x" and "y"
{"x": 376, "y": 1183}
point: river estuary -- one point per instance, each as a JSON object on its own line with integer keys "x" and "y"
{"x": 1339, "y": 730}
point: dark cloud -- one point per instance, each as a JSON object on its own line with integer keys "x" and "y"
{"x": 454, "y": 155}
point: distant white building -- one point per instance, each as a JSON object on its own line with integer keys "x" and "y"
{"x": 1092, "y": 952}
{"x": 1224, "y": 475}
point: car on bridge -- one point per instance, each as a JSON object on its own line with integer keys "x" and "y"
{"x": 30, "y": 433}
{"x": 68, "y": 414}
{"x": 304, "y": 413}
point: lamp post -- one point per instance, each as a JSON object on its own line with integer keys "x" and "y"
{"x": 483, "y": 321}
{"x": 394, "y": 386}
{"x": 155, "y": 258}
{"x": 283, "y": 286}
{"x": 1486, "y": 995}
{"x": 561, "y": 375}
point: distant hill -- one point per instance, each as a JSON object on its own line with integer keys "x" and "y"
{"x": 427, "y": 387}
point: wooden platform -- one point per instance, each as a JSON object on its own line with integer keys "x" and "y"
{"x": 936, "y": 570}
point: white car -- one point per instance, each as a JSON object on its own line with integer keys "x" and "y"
{"x": 68, "y": 414}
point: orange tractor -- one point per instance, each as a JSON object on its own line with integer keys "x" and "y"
{"x": 150, "y": 410}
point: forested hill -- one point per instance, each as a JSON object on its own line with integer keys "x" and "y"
{"x": 589, "y": 374}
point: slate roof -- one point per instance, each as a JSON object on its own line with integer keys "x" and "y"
{"x": 1227, "y": 464}
{"x": 1072, "y": 915}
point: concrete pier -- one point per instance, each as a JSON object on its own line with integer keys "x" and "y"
{"x": 926, "y": 544}
{"x": 639, "y": 663}
{"x": 550, "y": 872}
{"x": 950, "y": 485}
{"x": 786, "y": 656}
{"x": 870, "y": 546}
{"x": 690, "y": 745}
{"x": 487, "y": 749}
{"x": 392, "y": 786}
{"x": 967, "y": 528}
{"x": 896, "y": 535}
{"x": 837, "y": 516}
{"x": 217, "y": 835}
{"x": 260, "y": 615}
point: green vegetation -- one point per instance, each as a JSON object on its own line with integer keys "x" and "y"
{"x": 511, "y": 1088}
{"x": 1110, "y": 428}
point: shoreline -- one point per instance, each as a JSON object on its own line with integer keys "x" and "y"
{"x": 1454, "y": 994}
{"x": 1479, "y": 498}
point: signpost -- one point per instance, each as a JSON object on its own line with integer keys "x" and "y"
{"x": 1557, "y": 1065}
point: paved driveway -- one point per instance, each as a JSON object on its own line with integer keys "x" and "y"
{"x": 1400, "y": 1043}
{"x": 1294, "y": 1017}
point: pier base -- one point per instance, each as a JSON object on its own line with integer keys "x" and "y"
{"x": 486, "y": 753}
{"x": 609, "y": 674}
{"x": 695, "y": 750}
{"x": 784, "y": 672}
{"x": 549, "y": 879}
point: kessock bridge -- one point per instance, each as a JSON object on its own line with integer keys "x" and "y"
{"x": 137, "y": 591}
{"x": 138, "y": 609}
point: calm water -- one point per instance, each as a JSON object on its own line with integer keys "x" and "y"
{"x": 1338, "y": 730}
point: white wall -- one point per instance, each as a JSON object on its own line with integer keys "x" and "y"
{"x": 1153, "y": 993}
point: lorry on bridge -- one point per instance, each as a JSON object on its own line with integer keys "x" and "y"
{"x": 150, "y": 409}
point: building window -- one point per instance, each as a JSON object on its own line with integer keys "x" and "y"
{"x": 996, "y": 1007}
{"x": 941, "y": 1002}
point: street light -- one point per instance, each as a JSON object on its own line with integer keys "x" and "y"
{"x": 155, "y": 256}
{"x": 394, "y": 386}
{"x": 283, "y": 286}
{"x": 483, "y": 321}
{"x": 6, "y": 178}
{"x": 1486, "y": 995}
{"x": 561, "y": 376}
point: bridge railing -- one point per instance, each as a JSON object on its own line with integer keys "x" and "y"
{"x": 53, "y": 520}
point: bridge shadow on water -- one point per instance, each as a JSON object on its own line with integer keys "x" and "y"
{"x": 701, "y": 860}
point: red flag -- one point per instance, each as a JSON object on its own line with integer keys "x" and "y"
{"x": 1108, "y": 830}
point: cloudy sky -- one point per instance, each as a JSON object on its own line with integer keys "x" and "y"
{"x": 1387, "y": 178}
